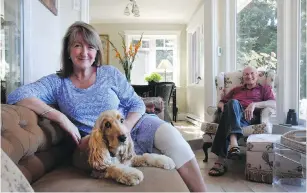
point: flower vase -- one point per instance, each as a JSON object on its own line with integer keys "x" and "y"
{"x": 128, "y": 75}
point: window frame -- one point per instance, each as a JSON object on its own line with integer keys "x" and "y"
{"x": 129, "y": 34}
{"x": 288, "y": 51}
{"x": 24, "y": 19}
{"x": 194, "y": 55}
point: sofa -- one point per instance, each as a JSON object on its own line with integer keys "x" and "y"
{"x": 43, "y": 154}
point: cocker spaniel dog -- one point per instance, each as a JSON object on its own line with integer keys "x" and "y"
{"x": 111, "y": 152}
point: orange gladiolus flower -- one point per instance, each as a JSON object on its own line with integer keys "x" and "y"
{"x": 117, "y": 55}
{"x": 130, "y": 47}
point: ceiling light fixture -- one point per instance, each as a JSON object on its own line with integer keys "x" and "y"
{"x": 134, "y": 9}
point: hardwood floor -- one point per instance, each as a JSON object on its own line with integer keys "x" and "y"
{"x": 234, "y": 179}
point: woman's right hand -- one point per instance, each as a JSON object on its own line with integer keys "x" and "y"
{"x": 72, "y": 130}
{"x": 40, "y": 108}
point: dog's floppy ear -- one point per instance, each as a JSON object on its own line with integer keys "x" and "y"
{"x": 99, "y": 156}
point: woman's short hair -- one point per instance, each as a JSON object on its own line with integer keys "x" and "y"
{"x": 90, "y": 36}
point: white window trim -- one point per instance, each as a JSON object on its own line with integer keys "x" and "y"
{"x": 288, "y": 51}
{"x": 228, "y": 41}
{"x": 84, "y": 12}
{"x": 27, "y": 26}
{"x": 210, "y": 49}
{"x": 176, "y": 70}
{"x": 191, "y": 79}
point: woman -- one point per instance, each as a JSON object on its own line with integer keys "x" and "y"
{"x": 84, "y": 88}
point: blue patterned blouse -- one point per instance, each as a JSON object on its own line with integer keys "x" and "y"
{"x": 83, "y": 106}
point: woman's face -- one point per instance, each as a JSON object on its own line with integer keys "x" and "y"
{"x": 82, "y": 54}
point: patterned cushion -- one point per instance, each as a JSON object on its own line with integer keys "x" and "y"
{"x": 211, "y": 128}
{"x": 219, "y": 85}
{"x": 260, "y": 157}
{"x": 12, "y": 180}
{"x": 227, "y": 81}
{"x": 262, "y": 142}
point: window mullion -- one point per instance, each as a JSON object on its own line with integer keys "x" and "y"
{"x": 288, "y": 57}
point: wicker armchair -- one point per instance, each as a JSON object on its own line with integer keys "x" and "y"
{"x": 224, "y": 83}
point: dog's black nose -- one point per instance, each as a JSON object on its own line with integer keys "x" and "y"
{"x": 122, "y": 138}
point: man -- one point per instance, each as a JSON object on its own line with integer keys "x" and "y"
{"x": 239, "y": 108}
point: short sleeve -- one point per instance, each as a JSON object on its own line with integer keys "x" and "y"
{"x": 268, "y": 93}
{"x": 44, "y": 89}
{"x": 129, "y": 100}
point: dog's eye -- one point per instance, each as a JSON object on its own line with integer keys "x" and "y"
{"x": 121, "y": 120}
{"x": 107, "y": 124}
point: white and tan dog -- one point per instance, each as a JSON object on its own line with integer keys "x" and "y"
{"x": 111, "y": 152}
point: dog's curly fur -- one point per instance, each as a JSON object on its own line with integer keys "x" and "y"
{"x": 111, "y": 152}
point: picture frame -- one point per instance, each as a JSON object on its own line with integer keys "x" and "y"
{"x": 105, "y": 47}
{"x": 52, "y": 5}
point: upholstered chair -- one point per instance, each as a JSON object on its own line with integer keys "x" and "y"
{"x": 224, "y": 82}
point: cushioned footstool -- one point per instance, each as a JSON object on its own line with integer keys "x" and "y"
{"x": 260, "y": 157}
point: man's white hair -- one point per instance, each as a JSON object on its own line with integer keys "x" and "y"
{"x": 250, "y": 67}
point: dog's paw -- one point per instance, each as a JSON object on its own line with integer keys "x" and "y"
{"x": 160, "y": 161}
{"x": 130, "y": 176}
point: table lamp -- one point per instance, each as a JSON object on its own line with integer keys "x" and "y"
{"x": 165, "y": 64}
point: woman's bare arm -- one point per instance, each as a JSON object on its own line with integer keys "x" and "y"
{"x": 52, "y": 114}
{"x": 131, "y": 119}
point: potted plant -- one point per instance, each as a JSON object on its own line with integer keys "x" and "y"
{"x": 153, "y": 78}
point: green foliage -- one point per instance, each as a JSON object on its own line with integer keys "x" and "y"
{"x": 153, "y": 77}
{"x": 257, "y": 38}
{"x": 261, "y": 61}
{"x": 256, "y": 30}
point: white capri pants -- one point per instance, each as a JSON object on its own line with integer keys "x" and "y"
{"x": 171, "y": 143}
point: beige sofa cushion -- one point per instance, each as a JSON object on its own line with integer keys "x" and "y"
{"x": 70, "y": 179}
{"x": 34, "y": 144}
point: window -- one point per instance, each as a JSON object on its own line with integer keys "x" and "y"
{"x": 11, "y": 46}
{"x": 196, "y": 56}
{"x": 257, "y": 34}
{"x": 303, "y": 68}
{"x": 158, "y": 53}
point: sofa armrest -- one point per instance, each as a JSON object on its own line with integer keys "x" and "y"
{"x": 154, "y": 105}
{"x": 265, "y": 114}
{"x": 211, "y": 110}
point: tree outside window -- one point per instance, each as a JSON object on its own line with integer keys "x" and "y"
{"x": 257, "y": 34}
{"x": 257, "y": 40}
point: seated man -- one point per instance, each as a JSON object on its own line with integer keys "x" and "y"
{"x": 239, "y": 108}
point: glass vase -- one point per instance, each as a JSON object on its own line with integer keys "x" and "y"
{"x": 128, "y": 75}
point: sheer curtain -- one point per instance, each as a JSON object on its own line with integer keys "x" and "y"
{"x": 11, "y": 46}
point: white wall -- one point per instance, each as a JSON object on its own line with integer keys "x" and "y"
{"x": 195, "y": 92}
{"x": 113, "y": 29}
{"x": 43, "y": 37}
